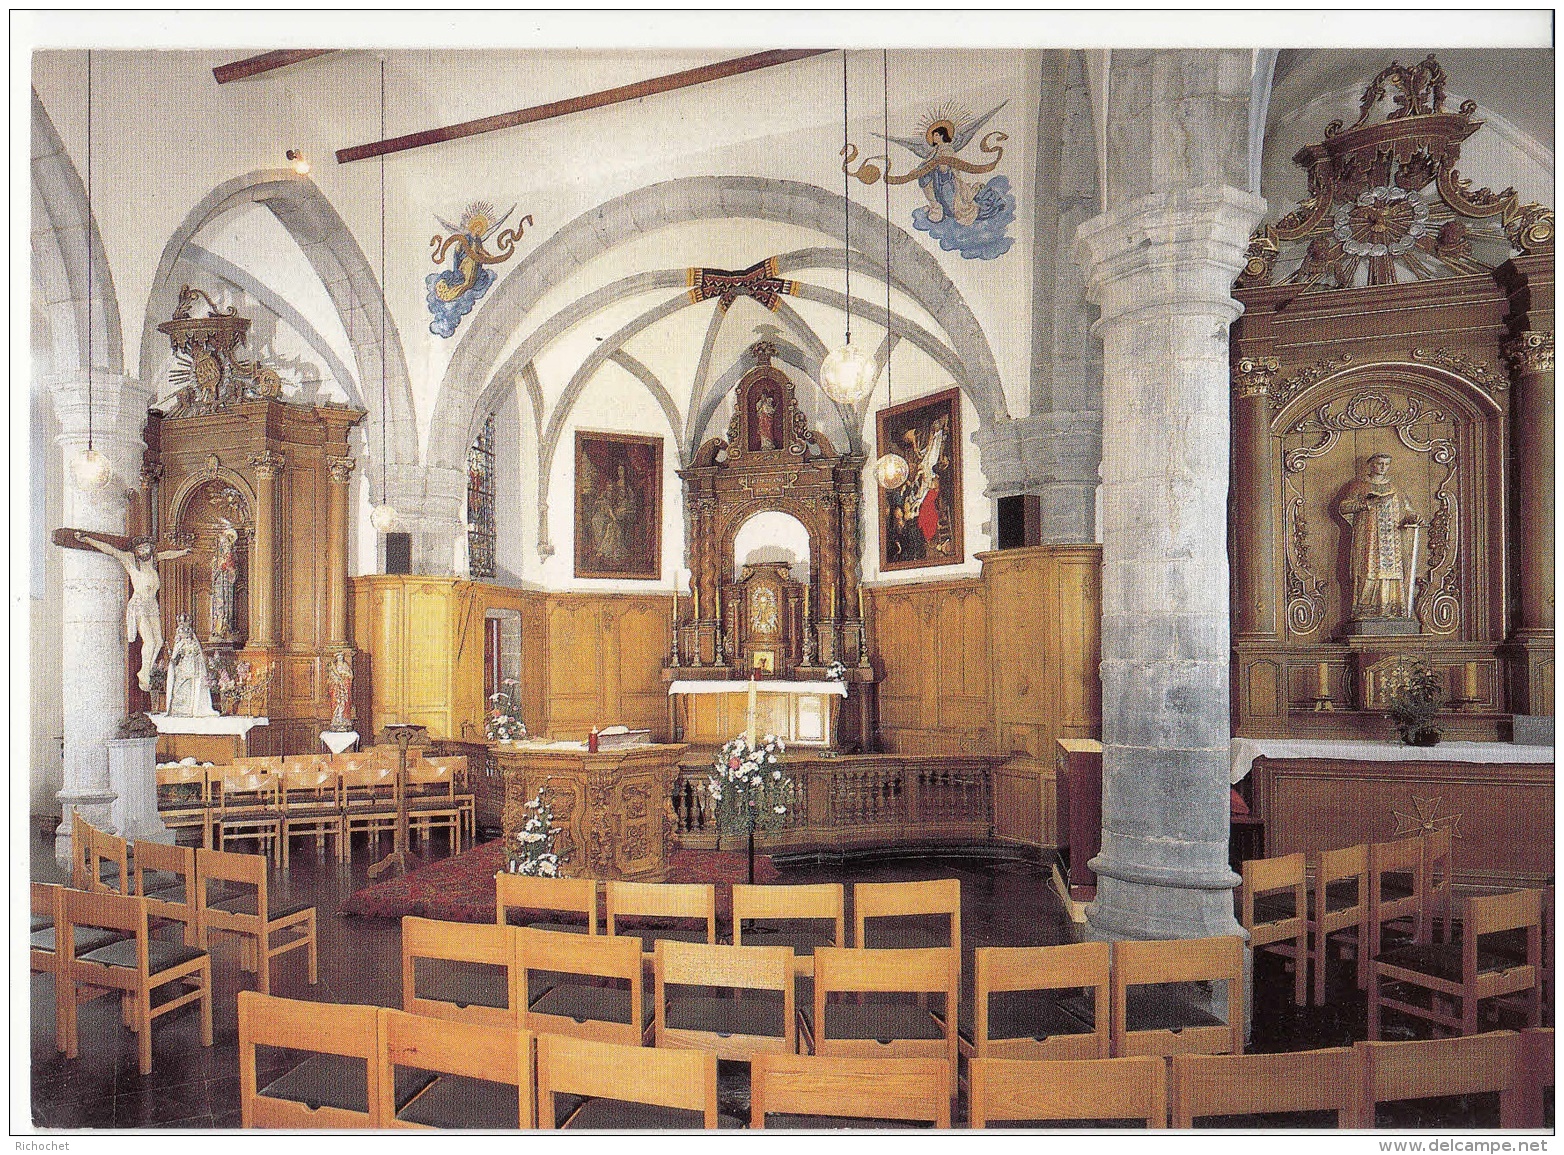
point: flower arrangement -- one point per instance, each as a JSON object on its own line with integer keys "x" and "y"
{"x": 235, "y": 686}
{"x": 531, "y": 849}
{"x": 503, "y": 722}
{"x": 748, "y": 790}
{"x": 836, "y": 672}
{"x": 1413, "y": 695}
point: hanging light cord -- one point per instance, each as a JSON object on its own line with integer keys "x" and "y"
{"x": 384, "y": 343}
{"x": 847, "y": 262}
{"x": 885, "y": 131}
{"x": 90, "y": 271}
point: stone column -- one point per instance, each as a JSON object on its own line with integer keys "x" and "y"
{"x": 341, "y": 469}
{"x": 93, "y": 657}
{"x": 263, "y": 559}
{"x": 1253, "y": 542}
{"x": 1530, "y": 354}
{"x": 1160, "y": 267}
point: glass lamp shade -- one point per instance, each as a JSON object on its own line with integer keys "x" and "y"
{"x": 847, "y": 375}
{"x": 891, "y": 471}
{"x": 90, "y": 470}
{"x": 383, "y": 518}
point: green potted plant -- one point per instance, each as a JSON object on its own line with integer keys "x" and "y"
{"x": 1413, "y": 695}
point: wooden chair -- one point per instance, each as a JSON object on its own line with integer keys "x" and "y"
{"x": 132, "y": 968}
{"x": 1049, "y": 1091}
{"x": 756, "y": 1015}
{"x": 799, "y": 917}
{"x": 608, "y": 1007}
{"x": 1273, "y": 907}
{"x": 431, "y": 802}
{"x": 877, "y": 1028}
{"x": 470, "y": 975}
{"x": 182, "y": 800}
{"x": 260, "y": 763}
{"x": 1537, "y": 1060}
{"x": 247, "y": 804}
{"x": 466, "y": 800}
{"x": 1438, "y": 886}
{"x": 573, "y": 896}
{"x": 1338, "y": 905}
{"x": 1323, "y": 1080}
{"x": 312, "y": 804}
{"x": 910, "y": 909}
{"x": 1033, "y": 1018}
{"x": 165, "y": 875}
{"x": 1425, "y": 1068}
{"x": 88, "y": 868}
{"x": 252, "y": 915}
{"x": 625, "y": 1087}
{"x": 108, "y": 862}
{"x": 368, "y": 796}
{"x": 43, "y": 957}
{"x": 1463, "y": 973}
{"x": 1167, "y": 1021}
{"x": 662, "y": 901}
{"x": 337, "y": 1087}
{"x": 1395, "y": 890}
{"x": 483, "y": 1074}
{"x": 811, "y": 1092}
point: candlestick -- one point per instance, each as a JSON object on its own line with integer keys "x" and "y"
{"x": 676, "y": 608}
{"x": 697, "y": 588}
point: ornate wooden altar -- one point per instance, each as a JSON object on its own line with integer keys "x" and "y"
{"x": 258, "y": 488}
{"x": 1398, "y": 314}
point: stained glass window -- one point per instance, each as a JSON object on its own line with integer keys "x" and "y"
{"x": 480, "y": 502}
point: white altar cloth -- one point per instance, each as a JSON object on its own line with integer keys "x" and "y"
{"x": 215, "y": 724}
{"x": 1246, "y": 750}
{"x": 762, "y": 686}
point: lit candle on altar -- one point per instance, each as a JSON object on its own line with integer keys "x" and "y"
{"x": 1469, "y": 682}
{"x": 697, "y": 589}
{"x": 749, "y": 713}
{"x": 860, "y": 603}
{"x": 833, "y": 603}
{"x": 1322, "y": 676}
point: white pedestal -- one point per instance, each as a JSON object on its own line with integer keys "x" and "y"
{"x": 338, "y": 740}
{"x": 133, "y": 777}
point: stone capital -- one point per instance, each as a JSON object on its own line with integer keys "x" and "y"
{"x": 1529, "y": 352}
{"x": 341, "y": 468}
{"x": 269, "y": 463}
{"x": 1254, "y": 376}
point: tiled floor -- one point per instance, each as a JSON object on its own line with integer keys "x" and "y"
{"x": 1004, "y": 902}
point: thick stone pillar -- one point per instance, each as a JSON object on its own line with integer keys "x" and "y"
{"x": 263, "y": 561}
{"x": 1160, "y": 268}
{"x": 341, "y": 471}
{"x": 1253, "y": 552}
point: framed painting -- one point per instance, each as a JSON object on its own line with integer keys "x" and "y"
{"x": 920, "y": 520}
{"x": 619, "y": 516}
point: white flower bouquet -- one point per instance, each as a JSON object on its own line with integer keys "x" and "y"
{"x": 503, "y": 722}
{"x": 748, "y": 789}
{"x": 531, "y": 849}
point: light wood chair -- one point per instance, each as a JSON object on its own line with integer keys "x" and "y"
{"x": 1425, "y": 1068}
{"x": 466, "y": 800}
{"x": 1395, "y": 891}
{"x": 904, "y": 915}
{"x": 131, "y": 968}
{"x": 1021, "y": 1009}
{"x": 757, "y": 1014}
{"x": 252, "y": 915}
{"x": 812, "y": 1092}
{"x": 799, "y": 917}
{"x": 165, "y": 875}
{"x": 471, "y": 1061}
{"x": 431, "y": 802}
{"x": 90, "y": 868}
{"x": 1049, "y": 1091}
{"x": 609, "y": 1006}
{"x": 1163, "y": 1020}
{"x": 470, "y": 972}
{"x": 1338, "y": 905}
{"x": 572, "y": 896}
{"x": 625, "y": 1088}
{"x": 260, "y": 763}
{"x": 1438, "y": 886}
{"x": 337, "y": 1087}
{"x": 182, "y": 800}
{"x": 312, "y": 804}
{"x": 108, "y": 862}
{"x": 660, "y": 902}
{"x": 1273, "y": 907}
{"x": 368, "y": 796}
{"x": 43, "y": 957}
{"x": 1537, "y": 1062}
{"x": 1462, "y": 974}
{"x": 247, "y": 804}
{"x": 1322, "y": 1080}
{"x": 877, "y": 1028}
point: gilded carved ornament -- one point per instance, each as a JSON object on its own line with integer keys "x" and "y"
{"x": 1253, "y": 376}
{"x": 341, "y": 469}
{"x": 210, "y": 374}
{"x": 268, "y": 463}
{"x": 1387, "y": 203}
{"x": 1474, "y": 371}
{"x": 1282, "y": 392}
{"x": 1529, "y": 352}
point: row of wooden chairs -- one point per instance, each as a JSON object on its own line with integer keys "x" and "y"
{"x": 275, "y": 799}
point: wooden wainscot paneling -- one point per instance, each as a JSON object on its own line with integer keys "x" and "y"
{"x": 604, "y": 662}
{"x": 1026, "y": 804}
{"x": 932, "y": 644}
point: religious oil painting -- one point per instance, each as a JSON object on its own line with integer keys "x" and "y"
{"x": 618, "y": 505}
{"x": 920, "y": 520}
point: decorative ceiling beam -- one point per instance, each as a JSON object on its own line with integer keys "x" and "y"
{"x": 265, "y": 62}
{"x": 651, "y": 87}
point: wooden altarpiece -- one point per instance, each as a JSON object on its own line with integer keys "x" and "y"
{"x": 1396, "y": 312}
{"x": 232, "y": 452}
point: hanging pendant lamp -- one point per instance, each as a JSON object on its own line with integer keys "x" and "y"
{"x": 891, "y": 469}
{"x": 383, "y": 516}
{"x": 90, "y": 470}
{"x": 847, "y": 374}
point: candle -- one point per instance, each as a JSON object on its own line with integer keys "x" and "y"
{"x": 833, "y": 603}
{"x": 697, "y": 588}
{"x": 1469, "y": 684}
{"x": 860, "y": 603}
{"x": 806, "y": 603}
{"x": 1322, "y": 674}
{"x": 749, "y": 714}
{"x": 675, "y": 607}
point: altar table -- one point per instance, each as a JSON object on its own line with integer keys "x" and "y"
{"x": 216, "y": 738}
{"x": 712, "y": 712}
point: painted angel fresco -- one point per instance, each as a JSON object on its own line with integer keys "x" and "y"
{"x": 454, "y": 292}
{"x": 965, "y": 216}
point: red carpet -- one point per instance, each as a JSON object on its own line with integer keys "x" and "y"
{"x": 461, "y": 889}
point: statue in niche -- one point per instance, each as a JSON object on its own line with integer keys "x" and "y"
{"x": 1382, "y": 554}
{"x": 189, "y": 683}
{"x": 225, "y": 576}
{"x": 766, "y": 421}
{"x": 339, "y": 690}
{"x": 143, "y": 618}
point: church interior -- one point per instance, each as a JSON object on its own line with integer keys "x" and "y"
{"x": 665, "y": 587}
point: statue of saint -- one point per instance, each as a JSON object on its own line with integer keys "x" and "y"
{"x": 142, "y": 615}
{"x": 225, "y": 575}
{"x": 189, "y": 684}
{"x": 1381, "y": 564}
{"x": 339, "y": 690}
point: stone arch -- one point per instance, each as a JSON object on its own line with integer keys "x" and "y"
{"x": 689, "y": 199}
{"x": 345, "y": 272}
